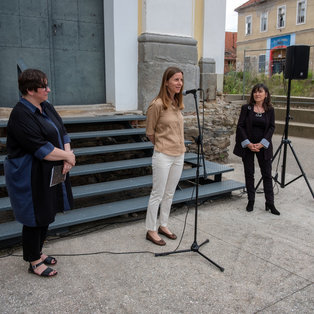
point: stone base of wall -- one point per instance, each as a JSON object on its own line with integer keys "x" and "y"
{"x": 158, "y": 52}
{"x": 208, "y": 78}
{"x": 220, "y": 120}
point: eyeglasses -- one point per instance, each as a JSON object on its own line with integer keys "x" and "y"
{"x": 45, "y": 87}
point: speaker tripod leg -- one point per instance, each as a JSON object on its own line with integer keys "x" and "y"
{"x": 301, "y": 169}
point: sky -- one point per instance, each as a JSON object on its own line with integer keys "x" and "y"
{"x": 231, "y": 15}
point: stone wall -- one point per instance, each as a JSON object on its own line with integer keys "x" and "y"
{"x": 220, "y": 120}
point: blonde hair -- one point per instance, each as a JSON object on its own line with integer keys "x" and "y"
{"x": 164, "y": 93}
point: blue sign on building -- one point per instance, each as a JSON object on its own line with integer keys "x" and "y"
{"x": 280, "y": 41}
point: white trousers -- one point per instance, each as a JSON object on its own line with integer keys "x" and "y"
{"x": 167, "y": 171}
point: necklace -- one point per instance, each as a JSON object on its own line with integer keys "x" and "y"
{"x": 259, "y": 111}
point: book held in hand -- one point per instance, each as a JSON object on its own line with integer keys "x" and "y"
{"x": 56, "y": 175}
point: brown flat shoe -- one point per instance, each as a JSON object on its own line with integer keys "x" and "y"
{"x": 160, "y": 242}
{"x": 171, "y": 236}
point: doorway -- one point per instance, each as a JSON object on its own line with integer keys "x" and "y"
{"x": 63, "y": 39}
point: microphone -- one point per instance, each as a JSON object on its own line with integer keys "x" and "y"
{"x": 189, "y": 91}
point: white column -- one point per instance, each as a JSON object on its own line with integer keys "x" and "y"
{"x": 214, "y": 35}
{"x": 121, "y": 53}
{"x": 168, "y": 17}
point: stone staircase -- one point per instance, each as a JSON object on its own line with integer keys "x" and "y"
{"x": 301, "y": 123}
{"x": 113, "y": 173}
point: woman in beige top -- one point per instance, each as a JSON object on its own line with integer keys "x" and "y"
{"x": 164, "y": 128}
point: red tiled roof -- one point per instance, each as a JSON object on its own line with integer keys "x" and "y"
{"x": 248, "y": 4}
{"x": 230, "y": 45}
{"x": 230, "y": 40}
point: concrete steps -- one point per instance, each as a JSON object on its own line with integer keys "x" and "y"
{"x": 301, "y": 123}
{"x": 114, "y": 177}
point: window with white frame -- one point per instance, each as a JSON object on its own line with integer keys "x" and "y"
{"x": 281, "y": 16}
{"x": 248, "y": 25}
{"x": 261, "y": 63}
{"x": 264, "y": 21}
{"x": 301, "y": 11}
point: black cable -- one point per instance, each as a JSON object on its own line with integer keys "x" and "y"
{"x": 80, "y": 233}
{"x": 185, "y": 220}
{"x": 91, "y": 253}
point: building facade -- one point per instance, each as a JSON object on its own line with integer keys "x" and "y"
{"x": 230, "y": 51}
{"x": 267, "y": 27}
{"x": 111, "y": 51}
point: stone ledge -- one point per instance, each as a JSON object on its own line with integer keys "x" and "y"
{"x": 78, "y": 111}
{"x": 169, "y": 39}
{"x": 85, "y": 110}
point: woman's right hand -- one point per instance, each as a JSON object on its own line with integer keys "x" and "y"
{"x": 151, "y": 138}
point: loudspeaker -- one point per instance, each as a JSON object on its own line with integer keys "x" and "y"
{"x": 297, "y": 62}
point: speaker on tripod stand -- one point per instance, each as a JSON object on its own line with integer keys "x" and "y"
{"x": 296, "y": 68}
{"x": 297, "y": 62}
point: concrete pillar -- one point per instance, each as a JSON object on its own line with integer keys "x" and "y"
{"x": 208, "y": 78}
{"x": 158, "y": 52}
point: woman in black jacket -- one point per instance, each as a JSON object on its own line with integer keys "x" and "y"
{"x": 254, "y": 133}
{"x": 37, "y": 167}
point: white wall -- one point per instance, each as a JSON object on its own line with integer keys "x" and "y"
{"x": 121, "y": 53}
{"x": 168, "y": 17}
{"x": 214, "y": 35}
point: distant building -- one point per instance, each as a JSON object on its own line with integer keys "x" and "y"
{"x": 230, "y": 51}
{"x": 267, "y": 27}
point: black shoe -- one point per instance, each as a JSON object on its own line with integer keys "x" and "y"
{"x": 250, "y": 206}
{"x": 272, "y": 209}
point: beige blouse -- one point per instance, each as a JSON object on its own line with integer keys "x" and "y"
{"x": 167, "y": 127}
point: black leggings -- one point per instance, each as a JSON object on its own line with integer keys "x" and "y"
{"x": 33, "y": 240}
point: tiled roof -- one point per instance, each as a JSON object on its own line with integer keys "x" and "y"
{"x": 248, "y": 4}
{"x": 230, "y": 45}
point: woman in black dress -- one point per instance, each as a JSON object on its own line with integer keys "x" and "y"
{"x": 38, "y": 147}
{"x": 255, "y": 129}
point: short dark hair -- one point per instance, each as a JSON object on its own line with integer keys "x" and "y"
{"x": 31, "y": 79}
{"x": 267, "y": 101}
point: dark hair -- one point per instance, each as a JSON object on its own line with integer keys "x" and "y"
{"x": 31, "y": 79}
{"x": 267, "y": 102}
{"x": 164, "y": 93}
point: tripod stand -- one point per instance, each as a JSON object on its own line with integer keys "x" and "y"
{"x": 284, "y": 143}
{"x": 195, "y": 246}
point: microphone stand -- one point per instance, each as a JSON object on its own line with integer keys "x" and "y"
{"x": 195, "y": 246}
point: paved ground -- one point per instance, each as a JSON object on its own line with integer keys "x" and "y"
{"x": 268, "y": 261}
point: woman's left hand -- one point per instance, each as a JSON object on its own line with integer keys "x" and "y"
{"x": 66, "y": 167}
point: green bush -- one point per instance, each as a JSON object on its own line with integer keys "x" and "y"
{"x": 277, "y": 84}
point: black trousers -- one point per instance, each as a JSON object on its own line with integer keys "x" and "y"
{"x": 33, "y": 240}
{"x": 265, "y": 167}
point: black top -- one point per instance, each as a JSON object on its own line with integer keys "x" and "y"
{"x": 258, "y": 127}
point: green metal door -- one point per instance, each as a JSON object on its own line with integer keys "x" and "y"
{"x": 63, "y": 38}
